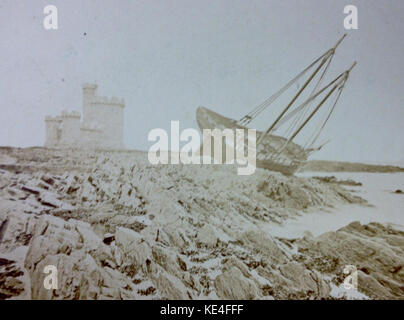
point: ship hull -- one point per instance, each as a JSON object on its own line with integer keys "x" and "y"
{"x": 288, "y": 161}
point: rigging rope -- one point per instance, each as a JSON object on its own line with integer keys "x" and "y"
{"x": 257, "y": 110}
{"x": 305, "y": 103}
{"x": 327, "y": 118}
{"x": 339, "y": 81}
{"x": 299, "y": 118}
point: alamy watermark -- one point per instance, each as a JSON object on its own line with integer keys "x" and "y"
{"x": 50, "y": 282}
{"x": 238, "y": 148}
{"x": 50, "y": 21}
{"x": 351, "y": 20}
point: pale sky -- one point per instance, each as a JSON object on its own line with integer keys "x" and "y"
{"x": 166, "y": 58}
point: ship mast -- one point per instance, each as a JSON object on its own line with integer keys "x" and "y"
{"x": 340, "y": 84}
{"x": 325, "y": 57}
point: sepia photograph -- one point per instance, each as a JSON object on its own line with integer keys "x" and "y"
{"x": 216, "y": 151}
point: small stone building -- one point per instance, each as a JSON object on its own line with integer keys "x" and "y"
{"x": 101, "y": 126}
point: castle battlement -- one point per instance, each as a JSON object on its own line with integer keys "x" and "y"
{"x": 101, "y": 125}
{"x": 108, "y": 100}
{"x": 55, "y": 119}
{"x": 72, "y": 114}
{"x": 91, "y": 86}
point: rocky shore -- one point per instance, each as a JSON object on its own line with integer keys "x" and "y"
{"x": 117, "y": 227}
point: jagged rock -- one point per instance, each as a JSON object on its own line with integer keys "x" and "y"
{"x": 117, "y": 253}
{"x": 69, "y": 246}
{"x": 374, "y": 248}
{"x": 233, "y": 285}
{"x": 88, "y": 237}
{"x": 233, "y": 262}
{"x": 16, "y": 230}
{"x": 304, "y": 281}
{"x": 170, "y": 287}
{"x": 127, "y": 239}
{"x": 124, "y": 229}
{"x": 137, "y": 253}
{"x": 265, "y": 245}
{"x": 207, "y": 237}
{"x": 173, "y": 237}
{"x": 11, "y": 284}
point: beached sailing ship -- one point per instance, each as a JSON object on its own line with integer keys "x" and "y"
{"x": 281, "y": 153}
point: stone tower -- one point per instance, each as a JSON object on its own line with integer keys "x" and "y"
{"x": 105, "y": 114}
{"x": 100, "y": 128}
{"x": 70, "y": 129}
{"x": 88, "y": 98}
{"x": 52, "y": 131}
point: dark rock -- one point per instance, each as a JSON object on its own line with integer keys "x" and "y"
{"x": 182, "y": 264}
{"x": 48, "y": 180}
{"x": 47, "y": 203}
{"x": 108, "y": 238}
{"x": 333, "y": 179}
{"x": 5, "y": 262}
{"x": 3, "y": 227}
{"x": 30, "y": 190}
{"x": 71, "y": 189}
{"x": 146, "y": 292}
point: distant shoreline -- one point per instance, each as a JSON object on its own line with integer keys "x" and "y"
{"x": 312, "y": 165}
{"x": 342, "y": 166}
